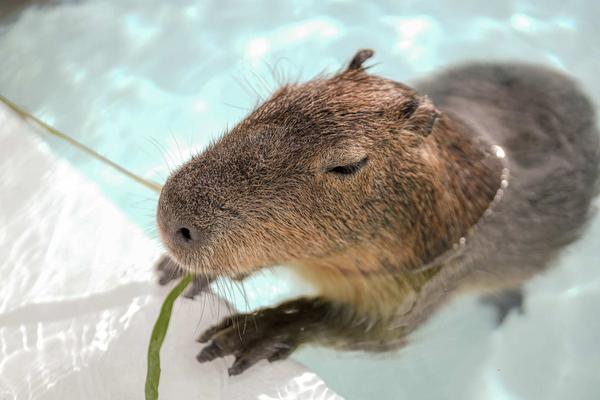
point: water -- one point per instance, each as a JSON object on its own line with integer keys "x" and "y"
{"x": 148, "y": 83}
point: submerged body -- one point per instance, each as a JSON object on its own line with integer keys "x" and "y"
{"x": 390, "y": 202}
{"x": 546, "y": 129}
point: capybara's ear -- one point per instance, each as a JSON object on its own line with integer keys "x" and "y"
{"x": 359, "y": 58}
{"x": 419, "y": 115}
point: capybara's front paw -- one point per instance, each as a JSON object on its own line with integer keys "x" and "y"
{"x": 268, "y": 334}
{"x": 168, "y": 270}
{"x": 505, "y": 302}
{"x": 250, "y": 338}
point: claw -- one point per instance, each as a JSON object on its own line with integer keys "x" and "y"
{"x": 280, "y": 354}
{"x": 210, "y": 352}
{"x": 505, "y": 302}
{"x": 240, "y": 365}
{"x": 210, "y": 332}
{"x": 168, "y": 270}
{"x": 199, "y": 285}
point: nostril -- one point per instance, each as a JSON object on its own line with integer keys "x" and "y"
{"x": 185, "y": 234}
{"x": 189, "y": 237}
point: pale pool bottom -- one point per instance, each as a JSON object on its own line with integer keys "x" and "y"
{"x": 78, "y": 296}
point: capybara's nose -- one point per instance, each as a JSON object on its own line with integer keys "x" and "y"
{"x": 177, "y": 232}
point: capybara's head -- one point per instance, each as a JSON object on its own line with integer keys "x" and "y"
{"x": 319, "y": 168}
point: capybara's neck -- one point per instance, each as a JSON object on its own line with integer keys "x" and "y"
{"x": 466, "y": 176}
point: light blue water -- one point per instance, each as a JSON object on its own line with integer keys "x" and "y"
{"x": 147, "y": 83}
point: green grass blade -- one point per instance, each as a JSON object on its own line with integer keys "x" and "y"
{"x": 66, "y": 138}
{"x": 158, "y": 336}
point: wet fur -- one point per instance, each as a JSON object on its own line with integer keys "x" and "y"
{"x": 380, "y": 244}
